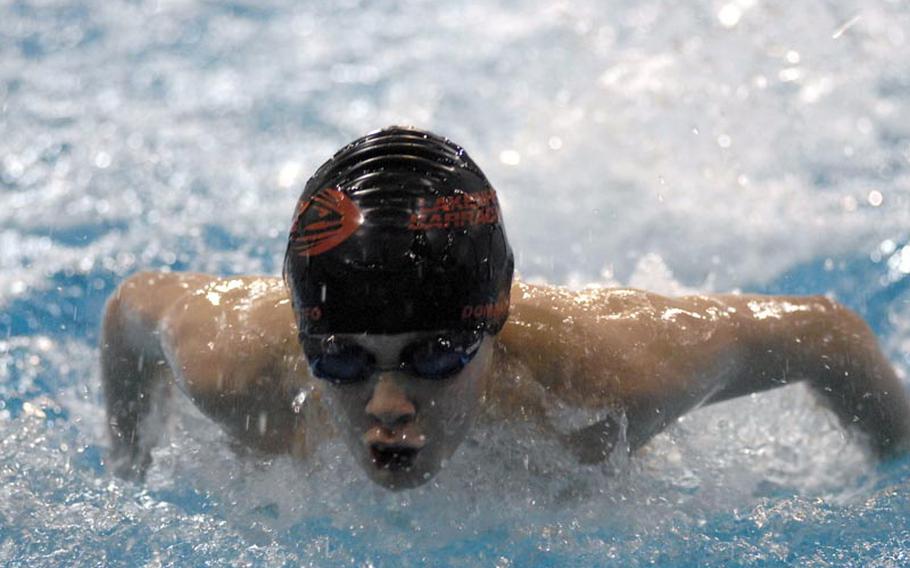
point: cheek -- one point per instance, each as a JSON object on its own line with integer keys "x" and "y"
{"x": 344, "y": 406}
{"x": 452, "y": 406}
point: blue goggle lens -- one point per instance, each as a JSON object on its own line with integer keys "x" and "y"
{"x": 349, "y": 364}
{"x": 346, "y": 363}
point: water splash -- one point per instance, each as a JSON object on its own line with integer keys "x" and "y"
{"x": 684, "y": 148}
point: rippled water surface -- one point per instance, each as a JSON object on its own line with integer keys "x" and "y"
{"x": 754, "y": 145}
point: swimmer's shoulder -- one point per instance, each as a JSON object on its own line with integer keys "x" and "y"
{"x": 530, "y": 301}
{"x": 573, "y": 345}
{"x": 142, "y": 299}
{"x": 596, "y": 346}
{"x": 556, "y": 314}
{"x": 240, "y": 305}
{"x": 558, "y": 311}
{"x": 226, "y": 335}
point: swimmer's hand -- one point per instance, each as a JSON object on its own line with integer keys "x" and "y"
{"x": 855, "y": 379}
{"x": 129, "y": 462}
{"x": 134, "y": 373}
{"x": 837, "y": 354}
{"x": 131, "y": 433}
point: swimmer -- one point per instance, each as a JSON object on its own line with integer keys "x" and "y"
{"x": 398, "y": 327}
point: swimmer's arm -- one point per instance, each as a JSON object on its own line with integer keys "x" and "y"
{"x": 829, "y": 346}
{"x": 238, "y": 360}
{"x": 134, "y": 373}
{"x": 659, "y": 358}
{"x": 248, "y": 392}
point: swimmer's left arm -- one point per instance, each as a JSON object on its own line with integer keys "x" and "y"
{"x": 671, "y": 355}
{"x": 788, "y": 339}
{"x": 658, "y": 358}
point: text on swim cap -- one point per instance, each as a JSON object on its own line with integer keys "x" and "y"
{"x": 490, "y": 311}
{"x": 457, "y": 211}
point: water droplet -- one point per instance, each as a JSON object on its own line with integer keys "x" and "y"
{"x": 729, "y": 15}
{"x": 289, "y": 174}
{"x": 510, "y": 157}
{"x": 790, "y": 74}
{"x": 299, "y": 401}
{"x": 875, "y": 198}
{"x": 102, "y": 160}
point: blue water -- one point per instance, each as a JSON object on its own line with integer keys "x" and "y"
{"x": 707, "y": 146}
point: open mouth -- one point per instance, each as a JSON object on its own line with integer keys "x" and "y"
{"x": 392, "y": 457}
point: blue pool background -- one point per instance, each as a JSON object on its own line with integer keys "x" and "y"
{"x": 701, "y": 146}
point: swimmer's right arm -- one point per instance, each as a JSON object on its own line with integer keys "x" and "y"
{"x": 134, "y": 372}
{"x": 229, "y": 344}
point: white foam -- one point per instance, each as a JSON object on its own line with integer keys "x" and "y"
{"x": 670, "y": 147}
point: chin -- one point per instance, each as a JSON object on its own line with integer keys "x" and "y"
{"x": 399, "y": 476}
{"x": 398, "y": 481}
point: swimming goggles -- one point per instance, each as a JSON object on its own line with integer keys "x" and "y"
{"x": 343, "y": 362}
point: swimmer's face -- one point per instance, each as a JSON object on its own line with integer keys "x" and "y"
{"x": 403, "y": 402}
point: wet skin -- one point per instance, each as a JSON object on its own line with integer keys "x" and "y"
{"x": 399, "y": 427}
{"x": 231, "y": 346}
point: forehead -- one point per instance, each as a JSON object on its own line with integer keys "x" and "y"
{"x": 381, "y": 342}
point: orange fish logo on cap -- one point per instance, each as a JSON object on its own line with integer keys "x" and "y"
{"x": 325, "y": 221}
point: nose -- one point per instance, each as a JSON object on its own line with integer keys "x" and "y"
{"x": 390, "y": 405}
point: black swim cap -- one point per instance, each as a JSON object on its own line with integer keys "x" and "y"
{"x": 400, "y": 231}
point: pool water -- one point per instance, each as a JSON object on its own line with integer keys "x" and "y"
{"x": 698, "y": 146}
